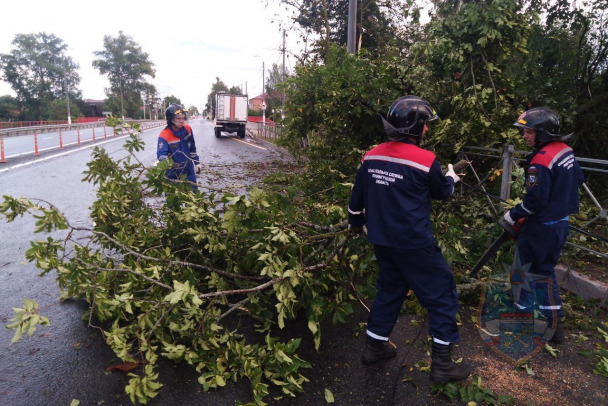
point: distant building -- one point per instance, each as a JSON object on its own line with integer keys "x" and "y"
{"x": 94, "y": 108}
{"x": 256, "y": 102}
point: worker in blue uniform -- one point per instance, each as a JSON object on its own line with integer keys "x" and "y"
{"x": 392, "y": 198}
{"x": 176, "y": 141}
{"x": 553, "y": 177}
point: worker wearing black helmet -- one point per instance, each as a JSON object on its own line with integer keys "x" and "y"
{"x": 553, "y": 177}
{"x": 392, "y": 197}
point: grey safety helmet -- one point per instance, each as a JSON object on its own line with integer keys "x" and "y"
{"x": 544, "y": 121}
{"x": 407, "y": 117}
{"x": 175, "y": 110}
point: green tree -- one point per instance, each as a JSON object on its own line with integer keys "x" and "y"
{"x": 235, "y": 90}
{"x": 151, "y": 101}
{"x": 275, "y": 86}
{"x": 9, "y": 108}
{"x": 38, "y": 70}
{"x": 332, "y": 107}
{"x": 57, "y": 110}
{"x": 127, "y": 66}
{"x": 567, "y": 69}
{"x": 193, "y": 111}
{"x": 467, "y": 67}
{"x": 322, "y": 23}
{"x": 171, "y": 100}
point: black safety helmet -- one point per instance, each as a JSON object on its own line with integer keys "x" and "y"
{"x": 408, "y": 116}
{"x": 544, "y": 121}
{"x": 175, "y": 110}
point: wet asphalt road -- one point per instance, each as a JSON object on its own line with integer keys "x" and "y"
{"x": 67, "y": 360}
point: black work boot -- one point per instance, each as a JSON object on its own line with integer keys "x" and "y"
{"x": 559, "y": 337}
{"x": 376, "y": 350}
{"x": 443, "y": 369}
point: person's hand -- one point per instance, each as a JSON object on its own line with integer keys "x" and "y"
{"x": 452, "y": 174}
{"x": 198, "y": 168}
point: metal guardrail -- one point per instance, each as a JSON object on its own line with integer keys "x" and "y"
{"x": 77, "y": 127}
{"x": 9, "y": 132}
{"x": 12, "y": 124}
{"x": 270, "y": 130}
{"x": 487, "y": 152}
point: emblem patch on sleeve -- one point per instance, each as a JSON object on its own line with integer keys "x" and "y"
{"x": 532, "y": 178}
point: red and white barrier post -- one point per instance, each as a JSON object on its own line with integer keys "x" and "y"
{"x": 60, "y": 139}
{"x": 104, "y": 131}
{"x": 93, "y": 134}
{"x": 78, "y": 132}
{"x": 2, "y": 160}
{"x": 36, "y": 145}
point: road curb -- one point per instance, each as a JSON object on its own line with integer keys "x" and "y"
{"x": 581, "y": 285}
{"x": 284, "y": 153}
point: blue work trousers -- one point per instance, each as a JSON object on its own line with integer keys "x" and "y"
{"x": 533, "y": 272}
{"x": 429, "y": 276}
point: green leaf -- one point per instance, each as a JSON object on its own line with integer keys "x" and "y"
{"x": 312, "y": 326}
{"x": 551, "y": 350}
{"x": 18, "y": 334}
{"x": 585, "y": 353}
{"x": 329, "y": 397}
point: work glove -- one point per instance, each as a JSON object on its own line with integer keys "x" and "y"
{"x": 452, "y": 174}
{"x": 198, "y": 168}
{"x": 355, "y": 230}
{"x": 511, "y": 227}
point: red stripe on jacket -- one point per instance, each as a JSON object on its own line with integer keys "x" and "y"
{"x": 401, "y": 150}
{"x": 550, "y": 153}
{"x": 168, "y": 135}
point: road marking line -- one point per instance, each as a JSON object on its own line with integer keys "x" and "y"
{"x": 43, "y": 149}
{"x": 63, "y": 153}
{"x": 250, "y": 144}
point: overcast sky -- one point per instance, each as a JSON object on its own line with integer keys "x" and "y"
{"x": 189, "y": 41}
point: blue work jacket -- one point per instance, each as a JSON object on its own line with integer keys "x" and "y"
{"x": 179, "y": 146}
{"x": 392, "y": 195}
{"x": 552, "y": 180}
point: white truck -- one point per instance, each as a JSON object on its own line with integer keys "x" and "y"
{"x": 231, "y": 113}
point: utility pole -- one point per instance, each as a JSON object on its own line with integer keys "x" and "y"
{"x": 122, "y": 107}
{"x": 263, "y": 99}
{"x": 283, "y": 80}
{"x": 352, "y": 27}
{"x": 67, "y": 92}
{"x": 263, "y": 90}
